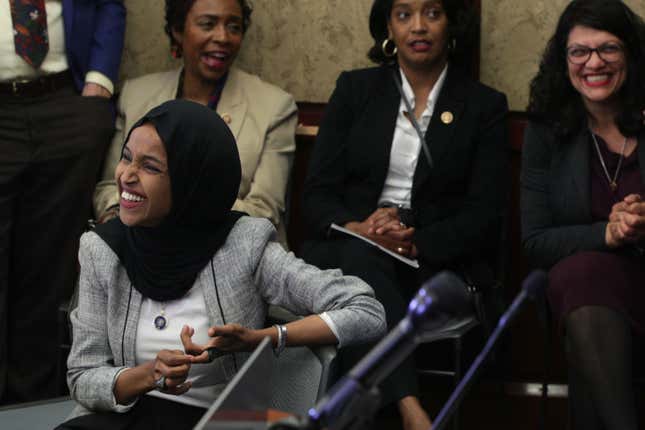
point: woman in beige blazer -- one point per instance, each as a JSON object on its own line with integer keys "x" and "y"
{"x": 262, "y": 117}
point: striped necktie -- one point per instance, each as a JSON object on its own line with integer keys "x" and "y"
{"x": 30, "y": 30}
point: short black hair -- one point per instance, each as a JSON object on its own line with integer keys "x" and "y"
{"x": 554, "y": 100}
{"x": 177, "y": 10}
{"x": 463, "y": 28}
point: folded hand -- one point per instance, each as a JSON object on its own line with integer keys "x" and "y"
{"x": 397, "y": 239}
{"x": 626, "y": 222}
{"x": 385, "y": 228}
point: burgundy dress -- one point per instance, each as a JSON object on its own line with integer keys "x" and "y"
{"x": 614, "y": 279}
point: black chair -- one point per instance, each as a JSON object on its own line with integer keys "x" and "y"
{"x": 466, "y": 336}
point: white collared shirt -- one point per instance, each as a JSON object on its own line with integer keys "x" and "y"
{"x": 13, "y": 67}
{"x": 406, "y": 145}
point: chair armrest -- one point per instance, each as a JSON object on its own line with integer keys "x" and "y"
{"x": 279, "y": 315}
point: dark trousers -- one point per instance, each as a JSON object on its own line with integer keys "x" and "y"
{"x": 394, "y": 284}
{"x": 51, "y": 147}
{"x": 149, "y": 413}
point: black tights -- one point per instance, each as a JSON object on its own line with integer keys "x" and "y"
{"x": 599, "y": 352}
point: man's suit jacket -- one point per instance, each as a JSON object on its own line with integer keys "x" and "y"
{"x": 262, "y": 118}
{"x": 94, "y": 32}
{"x": 457, "y": 204}
{"x": 556, "y": 200}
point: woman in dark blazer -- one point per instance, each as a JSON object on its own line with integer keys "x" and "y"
{"x": 583, "y": 218}
{"x": 370, "y": 173}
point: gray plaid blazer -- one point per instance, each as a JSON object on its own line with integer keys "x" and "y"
{"x": 252, "y": 270}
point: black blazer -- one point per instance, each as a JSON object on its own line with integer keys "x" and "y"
{"x": 457, "y": 205}
{"x": 556, "y": 200}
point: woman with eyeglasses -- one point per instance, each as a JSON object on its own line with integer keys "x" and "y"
{"x": 583, "y": 201}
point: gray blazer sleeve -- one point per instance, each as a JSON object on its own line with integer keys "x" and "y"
{"x": 546, "y": 239}
{"x": 287, "y": 281}
{"x": 283, "y": 279}
{"x": 91, "y": 371}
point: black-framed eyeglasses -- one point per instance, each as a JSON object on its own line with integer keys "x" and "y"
{"x": 580, "y": 54}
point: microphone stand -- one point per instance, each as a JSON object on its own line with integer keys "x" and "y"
{"x": 353, "y": 401}
{"x": 532, "y": 287}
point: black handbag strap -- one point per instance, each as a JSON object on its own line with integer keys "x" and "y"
{"x": 411, "y": 117}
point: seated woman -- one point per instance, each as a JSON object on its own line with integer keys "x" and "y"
{"x": 583, "y": 218}
{"x": 370, "y": 171}
{"x": 208, "y": 34}
{"x": 178, "y": 272}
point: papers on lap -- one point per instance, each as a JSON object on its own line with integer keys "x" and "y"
{"x": 408, "y": 261}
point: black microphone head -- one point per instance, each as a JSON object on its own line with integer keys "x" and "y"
{"x": 535, "y": 284}
{"x": 445, "y": 293}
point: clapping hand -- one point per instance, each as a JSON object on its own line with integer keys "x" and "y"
{"x": 626, "y": 222}
{"x": 224, "y": 339}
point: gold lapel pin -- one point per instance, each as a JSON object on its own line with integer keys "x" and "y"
{"x": 447, "y": 117}
{"x": 227, "y": 118}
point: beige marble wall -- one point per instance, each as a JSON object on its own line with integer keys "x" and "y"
{"x": 302, "y": 45}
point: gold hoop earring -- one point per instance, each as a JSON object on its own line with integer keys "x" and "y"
{"x": 392, "y": 52}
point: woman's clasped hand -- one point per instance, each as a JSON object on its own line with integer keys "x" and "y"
{"x": 384, "y": 226}
{"x": 626, "y": 222}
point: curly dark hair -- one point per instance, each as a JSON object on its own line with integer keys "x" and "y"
{"x": 555, "y": 101}
{"x": 177, "y": 10}
{"x": 463, "y": 28}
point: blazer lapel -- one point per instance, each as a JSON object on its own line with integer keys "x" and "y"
{"x": 641, "y": 154}
{"x": 383, "y": 113}
{"x": 232, "y": 106}
{"x": 68, "y": 19}
{"x": 130, "y": 336}
{"x": 444, "y": 122}
{"x": 576, "y": 173}
{"x": 170, "y": 91}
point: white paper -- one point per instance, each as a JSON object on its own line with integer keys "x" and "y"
{"x": 408, "y": 261}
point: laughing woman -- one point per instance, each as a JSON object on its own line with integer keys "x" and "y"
{"x": 178, "y": 272}
{"x": 207, "y": 35}
{"x": 370, "y": 171}
{"x": 583, "y": 210}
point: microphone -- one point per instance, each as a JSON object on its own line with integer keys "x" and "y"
{"x": 439, "y": 299}
{"x": 532, "y": 288}
{"x": 354, "y": 398}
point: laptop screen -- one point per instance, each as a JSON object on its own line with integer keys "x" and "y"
{"x": 248, "y": 396}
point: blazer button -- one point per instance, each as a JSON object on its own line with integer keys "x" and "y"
{"x": 227, "y": 118}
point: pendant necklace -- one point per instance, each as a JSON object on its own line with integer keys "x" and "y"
{"x": 161, "y": 321}
{"x": 613, "y": 185}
